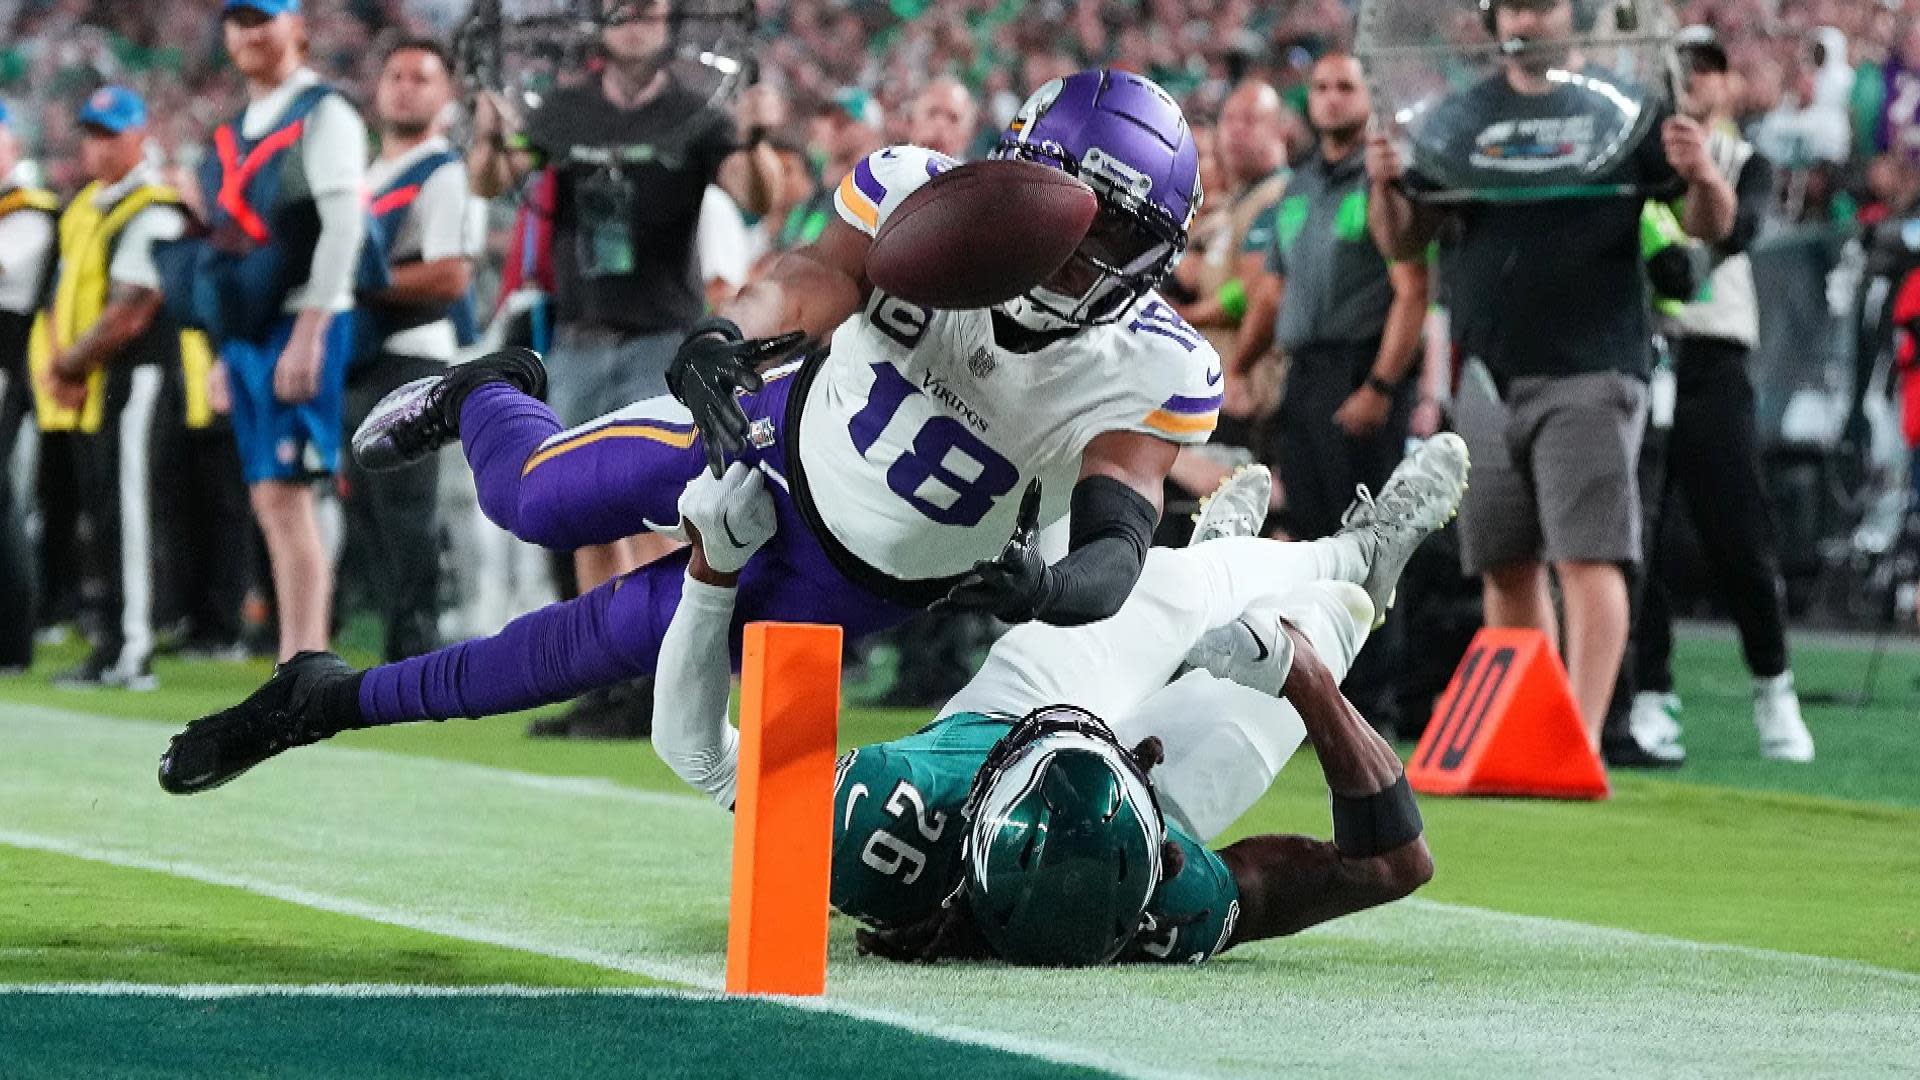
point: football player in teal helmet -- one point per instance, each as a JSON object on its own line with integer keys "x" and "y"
{"x": 1062, "y": 819}
{"x": 1057, "y": 812}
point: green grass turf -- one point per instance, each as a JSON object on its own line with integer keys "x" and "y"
{"x": 73, "y": 920}
{"x": 1735, "y": 861}
{"x": 1865, "y": 753}
{"x": 585, "y": 1037}
{"x": 634, "y": 881}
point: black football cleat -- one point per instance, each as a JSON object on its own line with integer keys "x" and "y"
{"x": 424, "y": 415}
{"x": 302, "y": 703}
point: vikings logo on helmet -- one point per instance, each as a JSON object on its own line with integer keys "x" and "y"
{"x": 1127, "y": 140}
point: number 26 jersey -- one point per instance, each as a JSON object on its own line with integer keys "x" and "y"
{"x": 898, "y": 835}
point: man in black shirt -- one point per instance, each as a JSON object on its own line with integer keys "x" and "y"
{"x": 633, "y": 150}
{"x": 1349, "y": 324}
{"x": 1550, "y": 310}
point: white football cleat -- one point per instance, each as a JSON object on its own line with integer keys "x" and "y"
{"x": 1418, "y": 500}
{"x": 1238, "y": 507}
{"x": 1655, "y": 726}
{"x": 1776, "y": 716}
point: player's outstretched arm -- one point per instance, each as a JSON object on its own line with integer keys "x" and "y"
{"x": 806, "y": 294}
{"x": 726, "y": 520}
{"x": 1288, "y": 883}
{"x": 812, "y": 289}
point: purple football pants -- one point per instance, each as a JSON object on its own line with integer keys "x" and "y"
{"x": 599, "y": 483}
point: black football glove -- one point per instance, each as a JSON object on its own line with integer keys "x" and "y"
{"x": 1014, "y": 585}
{"x": 713, "y": 365}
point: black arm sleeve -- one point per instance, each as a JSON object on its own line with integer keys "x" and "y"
{"x": 1112, "y": 528}
{"x": 1752, "y": 194}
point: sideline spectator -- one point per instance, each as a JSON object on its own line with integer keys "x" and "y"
{"x": 110, "y": 351}
{"x": 1347, "y": 320}
{"x": 1250, "y": 145}
{"x": 1548, "y": 303}
{"x": 1713, "y": 457}
{"x": 1349, "y": 323}
{"x": 411, "y": 330}
{"x": 944, "y": 118}
{"x": 26, "y": 259}
{"x": 283, "y": 185}
{"x": 632, "y": 152}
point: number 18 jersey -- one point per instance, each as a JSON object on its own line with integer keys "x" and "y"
{"x": 919, "y": 432}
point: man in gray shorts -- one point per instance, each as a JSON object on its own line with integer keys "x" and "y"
{"x": 1550, "y": 311}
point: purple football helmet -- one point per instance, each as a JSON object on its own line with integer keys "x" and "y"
{"x": 1127, "y": 140}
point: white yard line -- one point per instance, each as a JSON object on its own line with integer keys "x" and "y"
{"x": 222, "y": 991}
{"x": 1546, "y": 924}
{"x": 587, "y": 870}
{"x": 359, "y": 909}
{"x": 1057, "y": 1053}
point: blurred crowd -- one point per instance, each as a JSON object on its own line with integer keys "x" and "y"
{"x": 1828, "y": 90}
{"x": 1830, "y": 86}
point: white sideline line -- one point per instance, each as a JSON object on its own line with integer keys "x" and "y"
{"x": 1057, "y": 1053}
{"x": 1534, "y": 924}
{"x": 601, "y": 788}
{"x": 219, "y": 991}
{"x": 339, "y": 905}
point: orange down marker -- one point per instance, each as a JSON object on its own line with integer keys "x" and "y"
{"x": 1507, "y": 725}
{"x": 783, "y": 811}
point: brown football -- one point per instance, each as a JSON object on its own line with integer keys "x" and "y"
{"x": 980, "y": 234}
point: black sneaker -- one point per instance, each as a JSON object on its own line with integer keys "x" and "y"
{"x": 1623, "y": 752}
{"x": 424, "y": 415}
{"x": 88, "y": 674}
{"x": 294, "y": 708}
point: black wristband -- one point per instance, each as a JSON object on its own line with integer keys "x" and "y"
{"x": 717, "y": 324}
{"x": 1379, "y": 385}
{"x": 1369, "y": 825}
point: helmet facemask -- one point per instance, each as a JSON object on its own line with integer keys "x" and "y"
{"x": 1129, "y": 249}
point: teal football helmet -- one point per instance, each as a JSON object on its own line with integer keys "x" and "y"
{"x": 1063, "y": 842}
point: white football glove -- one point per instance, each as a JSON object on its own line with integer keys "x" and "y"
{"x": 733, "y": 515}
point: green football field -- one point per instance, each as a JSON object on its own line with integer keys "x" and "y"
{"x": 455, "y": 900}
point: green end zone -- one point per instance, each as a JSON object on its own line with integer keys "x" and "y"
{"x": 366, "y": 1034}
{"x": 143, "y": 974}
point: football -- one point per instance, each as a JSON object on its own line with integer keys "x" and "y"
{"x": 980, "y": 234}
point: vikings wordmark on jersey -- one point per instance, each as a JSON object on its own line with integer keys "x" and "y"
{"x": 920, "y": 416}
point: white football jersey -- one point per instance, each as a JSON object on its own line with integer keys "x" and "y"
{"x": 919, "y": 434}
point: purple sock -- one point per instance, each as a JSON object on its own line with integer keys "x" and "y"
{"x": 554, "y": 654}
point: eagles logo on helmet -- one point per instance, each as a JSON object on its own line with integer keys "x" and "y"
{"x": 1063, "y": 843}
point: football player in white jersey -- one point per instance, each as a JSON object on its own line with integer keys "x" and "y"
{"x": 897, "y": 457}
{"x": 946, "y": 844}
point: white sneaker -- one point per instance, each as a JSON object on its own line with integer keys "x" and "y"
{"x": 1253, "y": 650}
{"x": 1238, "y": 507}
{"x": 1654, "y": 724}
{"x": 1419, "y": 498}
{"x": 1776, "y": 716}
